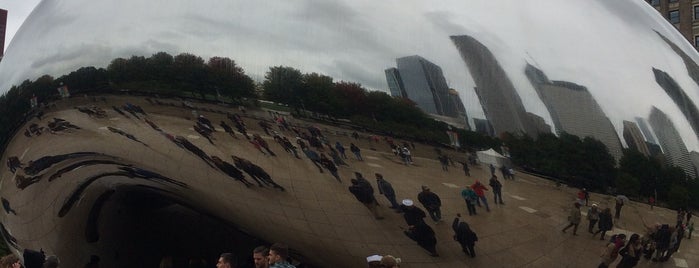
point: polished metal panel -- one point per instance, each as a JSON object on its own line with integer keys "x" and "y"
{"x": 525, "y": 67}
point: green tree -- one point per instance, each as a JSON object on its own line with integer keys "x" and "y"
{"x": 283, "y": 84}
{"x": 318, "y": 94}
{"x": 628, "y": 185}
{"x": 678, "y": 196}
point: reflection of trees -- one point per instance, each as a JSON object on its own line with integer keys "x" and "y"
{"x": 587, "y": 163}
{"x": 581, "y": 162}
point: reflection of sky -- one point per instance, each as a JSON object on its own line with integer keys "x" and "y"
{"x": 607, "y": 46}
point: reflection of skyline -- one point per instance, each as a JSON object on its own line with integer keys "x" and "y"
{"x": 423, "y": 82}
{"x": 574, "y": 110}
{"x": 500, "y": 101}
{"x": 673, "y": 147}
{"x": 337, "y": 40}
{"x": 676, "y": 93}
{"x": 634, "y": 138}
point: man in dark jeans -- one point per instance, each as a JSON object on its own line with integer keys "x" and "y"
{"x": 431, "y": 202}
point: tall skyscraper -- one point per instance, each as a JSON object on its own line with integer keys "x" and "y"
{"x": 675, "y": 151}
{"x": 483, "y": 126}
{"x": 634, "y": 138}
{"x": 499, "y": 99}
{"x": 694, "y": 157}
{"x": 395, "y": 84}
{"x": 455, "y": 99}
{"x": 645, "y": 130}
{"x": 677, "y": 94}
{"x": 3, "y": 27}
{"x": 539, "y": 123}
{"x": 422, "y": 82}
{"x": 574, "y": 110}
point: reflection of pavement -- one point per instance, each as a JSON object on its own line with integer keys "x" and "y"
{"x": 317, "y": 216}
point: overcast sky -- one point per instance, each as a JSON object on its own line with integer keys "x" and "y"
{"x": 607, "y": 46}
{"x": 18, "y": 10}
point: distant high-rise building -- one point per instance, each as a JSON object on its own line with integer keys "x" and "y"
{"x": 3, "y": 27}
{"x": 645, "y": 130}
{"x": 502, "y": 105}
{"x": 634, "y": 138}
{"x": 683, "y": 102}
{"x": 395, "y": 84}
{"x": 694, "y": 157}
{"x": 574, "y": 110}
{"x": 483, "y": 126}
{"x": 459, "y": 105}
{"x": 539, "y": 123}
{"x": 422, "y": 82}
{"x": 674, "y": 149}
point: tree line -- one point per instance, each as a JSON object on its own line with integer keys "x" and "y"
{"x": 580, "y": 162}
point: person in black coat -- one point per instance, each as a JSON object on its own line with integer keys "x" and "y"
{"x": 424, "y": 236}
{"x": 464, "y": 235}
{"x": 605, "y": 223}
{"x": 431, "y": 202}
{"x": 413, "y": 215}
{"x": 386, "y": 189}
{"x": 365, "y": 195}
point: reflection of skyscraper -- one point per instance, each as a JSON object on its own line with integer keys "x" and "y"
{"x": 3, "y": 26}
{"x": 422, "y": 82}
{"x": 459, "y": 105}
{"x": 499, "y": 99}
{"x": 675, "y": 151}
{"x": 686, "y": 105}
{"x": 634, "y": 138}
{"x": 645, "y": 130}
{"x": 395, "y": 84}
{"x": 539, "y": 123}
{"x": 574, "y": 110}
{"x": 483, "y": 126}
{"x": 694, "y": 157}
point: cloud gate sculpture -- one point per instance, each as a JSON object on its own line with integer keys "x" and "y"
{"x": 130, "y": 175}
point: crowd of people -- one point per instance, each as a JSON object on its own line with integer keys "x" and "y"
{"x": 657, "y": 244}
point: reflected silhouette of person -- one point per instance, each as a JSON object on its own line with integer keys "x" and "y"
{"x": 6, "y": 206}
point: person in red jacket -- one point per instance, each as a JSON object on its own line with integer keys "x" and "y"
{"x": 480, "y": 189}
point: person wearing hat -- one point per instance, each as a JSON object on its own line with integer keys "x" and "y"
{"x": 374, "y": 261}
{"x": 592, "y": 217}
{"x": 413, "y": 215}
{"x": 431, "y": 202}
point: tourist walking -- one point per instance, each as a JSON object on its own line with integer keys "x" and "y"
{"x": 470, "y": 197}
{"x": 480, "y": 189}
{"x": 592, "y": 217}
{"x": 386, "y": 190}
{"x": 330, "y": 166}
{"x": 618, "y": 206}
{"x": 365, "y": 196}
{"x": 413, "y": 215}
{"x": 356, "y": 151}
{"x": 431, "y": 202}
{"x": 574, "y": 219}
{"x": 497, "y": 189}
{"x": 464, "y": 235}
{"x": 605, "y": 223}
